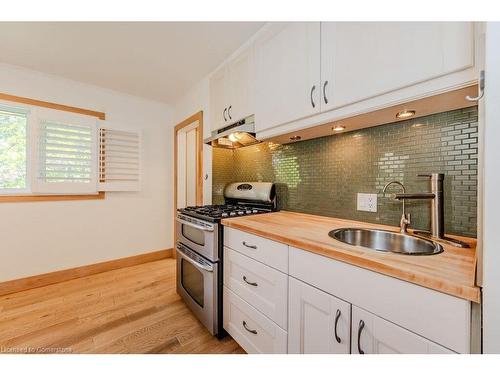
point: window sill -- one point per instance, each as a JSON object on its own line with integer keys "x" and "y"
{"x": 43, "y": 198}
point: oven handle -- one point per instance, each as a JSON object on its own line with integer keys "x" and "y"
{"x": 192, "y": 261}
{"x": 194, "y": 225}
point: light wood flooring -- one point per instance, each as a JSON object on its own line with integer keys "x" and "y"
{"x": 129, "y": 310}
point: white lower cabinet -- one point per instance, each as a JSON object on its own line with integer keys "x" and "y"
{"x": 250, "y": 328}
{"x": 374, "y": 335}
{"x": 261, "y": 286}
{"x": 318, "y": 322}
{"x": 280, "y": 299}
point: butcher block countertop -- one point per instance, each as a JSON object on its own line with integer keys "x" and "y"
{"x": 451, "y": 272}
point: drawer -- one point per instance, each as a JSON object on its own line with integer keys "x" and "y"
{"x": 269, "y": 252}
{"x": 251, "y": 329}
{"x": 263, "y": 287}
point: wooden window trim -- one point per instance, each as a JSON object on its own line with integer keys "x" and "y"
{"x": 60, "y": 107}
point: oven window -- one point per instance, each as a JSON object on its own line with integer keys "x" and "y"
{"x": 194, "y": 235}
{"x": 192, "y": 281}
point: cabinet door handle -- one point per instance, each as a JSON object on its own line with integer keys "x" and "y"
{"x": 360, "y": 329}
{"x": 253, "y": 331}
{"x": 312, "y": 100}
{"x": 481, "y": 89}
{"x": 324, "y": 92}
{"x": 224, "y": 114}
{"x": 248, "y": 282}
{"x": 337, "y": 317}
{"x": 250, "y": 246}
{"x": 229, "y": 113}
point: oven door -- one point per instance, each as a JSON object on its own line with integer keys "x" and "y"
{"x": 198, "y": 235}
{"x": 197, "y": 285}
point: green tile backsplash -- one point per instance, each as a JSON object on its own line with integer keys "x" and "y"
{"x": 323, "y": 176}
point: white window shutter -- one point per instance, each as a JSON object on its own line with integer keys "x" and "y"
{"x": 64, "y": 153}
{"x": 119, "y": 159}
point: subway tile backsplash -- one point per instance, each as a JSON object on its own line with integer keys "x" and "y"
{"x": 323, "y": 176}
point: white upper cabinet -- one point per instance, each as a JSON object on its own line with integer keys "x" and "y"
{"x": 373, "y": 335}
{"x": 287, "y": 73}
{"x": 361, "y": 60}
{"x": 241, "y": 83}
{"x": 231, "y": 91}
{"x": 318, "y": 322}
{"x": 219, "y": 98}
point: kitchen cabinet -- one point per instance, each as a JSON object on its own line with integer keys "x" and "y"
{"x": 265, "y": 288}
{"x": 438, "y": 317}
{"x": 271, "y": 253}
{"x": 309, "y": 74}
{"x": 278, "y": 299}
{"x": 255, "y": 291}
{"x": 287, "y": 73}
{"x": 374, "y": 335}
{"x": 219, "y": 98}
{"x": 231, "y": 91}
{"x": 360, "y": 60}
{"x": 318, "y": 322}
{"x": 250, "y": 328}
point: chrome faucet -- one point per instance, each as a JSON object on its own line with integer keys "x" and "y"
{"x": 405, "y": 218}
{"x": 436, "y": 196}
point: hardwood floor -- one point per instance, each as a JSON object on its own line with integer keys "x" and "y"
{"x": 129, "y": 310}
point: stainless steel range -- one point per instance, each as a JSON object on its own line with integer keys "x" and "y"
{"x": 199, "y": 247}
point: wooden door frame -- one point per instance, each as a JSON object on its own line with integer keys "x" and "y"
{"x": 199, "y": 159}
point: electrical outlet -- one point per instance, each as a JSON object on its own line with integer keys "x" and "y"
{"x": 367, "y": 202}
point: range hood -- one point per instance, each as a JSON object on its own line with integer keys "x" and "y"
{"x": 239, "y": 134}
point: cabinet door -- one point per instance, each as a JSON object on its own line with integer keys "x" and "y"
{"x": 373, "y": 335}
{"x": 218, "y": 99}
{"x": 360, "y": 60}
{"x": 241, "y": 94}
{"x": 318, "y": 322}
{"x": 288, "y": 73}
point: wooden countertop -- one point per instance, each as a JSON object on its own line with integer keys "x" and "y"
{"x": 452, "y": 272}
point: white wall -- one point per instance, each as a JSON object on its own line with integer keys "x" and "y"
{"x": 491, "y": 238}
{"x": 195, "y": 100}
{"x": 40, "y": 237}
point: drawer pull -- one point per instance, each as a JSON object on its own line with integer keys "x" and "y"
{"x": 249, "y": 246}
{"x": 360, "y": 329}
{"x": 248, "y": 282}
{"x": 253, "y": 331}
{"x": 337, "y": 317}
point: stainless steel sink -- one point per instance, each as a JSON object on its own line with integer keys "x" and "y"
{"x": 382, "y": 240}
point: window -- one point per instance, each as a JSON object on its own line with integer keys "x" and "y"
{"x": 65, "y": 153}
{"x": 13, "y": 149}
{"x": 46, "y": 151}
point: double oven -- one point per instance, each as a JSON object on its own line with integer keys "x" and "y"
{"x": 199, "y": 234}
{"x": 199, "y": 270}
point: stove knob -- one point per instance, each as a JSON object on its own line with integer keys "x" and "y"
{"x": 224, "y": 214}
{"x": 254, "y": 211}
{"x": 232, "y": 214}
{"x": 240, "y": 212}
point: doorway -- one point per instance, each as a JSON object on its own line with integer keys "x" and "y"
{"x": 188, "y": 162}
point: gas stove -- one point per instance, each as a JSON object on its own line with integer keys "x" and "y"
{"x": 245, "y": 198}
{"x": 200, "y": 240}
{"x": 214, "y": 213}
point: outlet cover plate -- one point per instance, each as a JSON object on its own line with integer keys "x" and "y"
{"x": 367, "y": 202}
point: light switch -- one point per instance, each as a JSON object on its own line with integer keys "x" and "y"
{"x": 367, "y": 202}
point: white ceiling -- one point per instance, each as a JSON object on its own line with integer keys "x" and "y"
{"x": 155, "y": 60}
